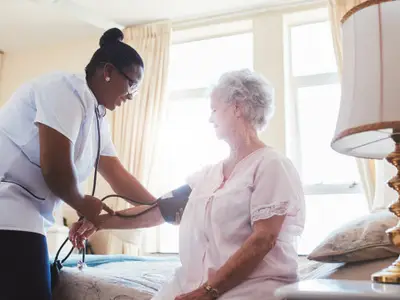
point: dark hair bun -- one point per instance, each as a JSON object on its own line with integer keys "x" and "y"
{"x": 111, "y": 36}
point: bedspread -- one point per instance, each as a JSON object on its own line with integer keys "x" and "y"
{"x": 132, "y": 280}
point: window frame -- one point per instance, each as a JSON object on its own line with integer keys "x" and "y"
{"x": 293, "y": 84}
{"x": 206, "y": 33}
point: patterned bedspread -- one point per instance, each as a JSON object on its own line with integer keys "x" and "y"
{"x": 137, "y": 280}
{"x": 133, "y": 280}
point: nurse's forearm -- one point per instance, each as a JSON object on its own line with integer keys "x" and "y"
{"x": 242, "y": 263}
{"x": 150, "y": 218}
{"x": 122, "y": 182}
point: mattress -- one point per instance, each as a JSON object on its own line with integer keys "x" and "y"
{"x": 139, "y": 278}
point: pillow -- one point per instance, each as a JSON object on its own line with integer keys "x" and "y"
{"x": 359, "y": 240}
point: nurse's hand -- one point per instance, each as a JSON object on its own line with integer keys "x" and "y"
{"x": 83, "y": 229}
{"x": 80, "y": 231}
{"x": 91, "y": 208}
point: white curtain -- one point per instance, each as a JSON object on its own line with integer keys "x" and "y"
{"x": 135, "y": 128}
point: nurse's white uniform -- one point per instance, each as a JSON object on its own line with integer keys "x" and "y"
{"x": 65, "y": 103}
{"x": 217, "y": 221}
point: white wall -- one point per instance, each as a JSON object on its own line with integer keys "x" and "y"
{"x": 23, "y": 65}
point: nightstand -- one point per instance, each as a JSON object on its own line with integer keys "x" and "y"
{"x": 323, "y": 289}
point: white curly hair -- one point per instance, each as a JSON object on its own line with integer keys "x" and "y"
{"x": 252, "y": 91}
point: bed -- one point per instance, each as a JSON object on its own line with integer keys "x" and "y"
{"x": 353, "y": 252}
{"x": 120, "y": 277}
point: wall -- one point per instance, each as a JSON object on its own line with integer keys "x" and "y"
{"x": 23, "y": 65}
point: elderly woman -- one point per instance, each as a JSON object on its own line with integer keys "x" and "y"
{"x": 243, "y": 214}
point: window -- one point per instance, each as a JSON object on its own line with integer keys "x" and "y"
{"x": 188, "y": 139}
{"x": 331, "y": 180}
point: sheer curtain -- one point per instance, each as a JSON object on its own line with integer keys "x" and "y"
{"x": 366, "y": 167}
{"x": 135, "y": 127}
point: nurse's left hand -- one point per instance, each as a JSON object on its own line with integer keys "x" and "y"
{"x": 199, "y": 294}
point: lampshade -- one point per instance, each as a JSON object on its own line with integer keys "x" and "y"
{"x": 370, "y": 104}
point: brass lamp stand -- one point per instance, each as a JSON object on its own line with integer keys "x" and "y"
{"x": 391, "y": 274}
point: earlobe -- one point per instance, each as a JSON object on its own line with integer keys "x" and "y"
{"x": 107, "y": 72}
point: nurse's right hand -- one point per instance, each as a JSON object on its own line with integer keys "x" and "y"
{"x": 91, "y": 208}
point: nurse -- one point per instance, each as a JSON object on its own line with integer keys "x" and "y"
{"x": 52, "y": 130}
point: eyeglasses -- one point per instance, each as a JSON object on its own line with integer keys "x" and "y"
{"x": 132, "y": 84}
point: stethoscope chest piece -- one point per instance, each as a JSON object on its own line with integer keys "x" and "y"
{"x": 81, "y": 265}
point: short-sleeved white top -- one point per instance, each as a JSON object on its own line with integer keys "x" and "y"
{"x": 64, "y": 102}
{"x": 217, "y": 222}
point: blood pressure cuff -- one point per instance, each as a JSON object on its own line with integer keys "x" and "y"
{"x": 171, "y": 203}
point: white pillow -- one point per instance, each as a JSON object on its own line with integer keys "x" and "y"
{"x": 360, "y": 240}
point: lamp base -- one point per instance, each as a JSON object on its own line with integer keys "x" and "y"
{"x": 391, "y": 274}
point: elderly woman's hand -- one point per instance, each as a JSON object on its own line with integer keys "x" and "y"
{"x": 198, "y": 294}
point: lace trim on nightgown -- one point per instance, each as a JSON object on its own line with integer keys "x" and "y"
{"x": 268, "y": 211}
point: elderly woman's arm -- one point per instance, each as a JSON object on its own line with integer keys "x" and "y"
{"x": 242, "y": 263}
{"x": 277, "y": 188}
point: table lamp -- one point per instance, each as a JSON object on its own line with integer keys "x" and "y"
{"x": 368, "y": 124}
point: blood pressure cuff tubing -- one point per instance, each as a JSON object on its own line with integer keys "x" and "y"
{"x": 171, "y": 203}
